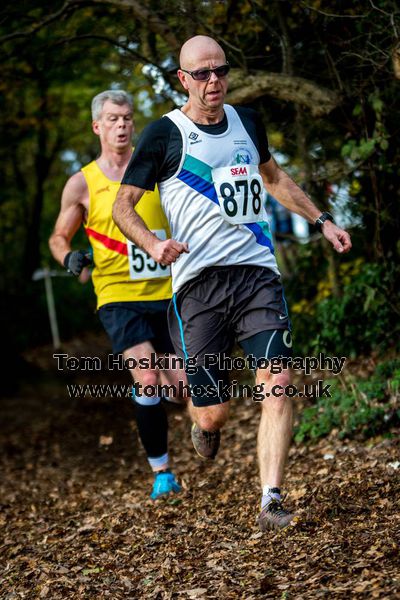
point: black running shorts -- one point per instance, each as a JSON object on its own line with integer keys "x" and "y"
{"x": 224, "y": 304}
{"x": 130, "y": 323}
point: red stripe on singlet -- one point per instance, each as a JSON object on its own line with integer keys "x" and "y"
{"x": 115, "y": 245}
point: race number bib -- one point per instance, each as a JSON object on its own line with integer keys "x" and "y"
{"x": 141, "y": 265}
{"x": 241, "y": 194}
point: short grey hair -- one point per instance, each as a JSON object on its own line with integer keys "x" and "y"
{"x": 117, "y": 96}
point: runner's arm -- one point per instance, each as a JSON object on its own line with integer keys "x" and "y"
{"x": 134, "y": 228}
{"x": 70, "y": 218}
{"x": 289, "y": 194}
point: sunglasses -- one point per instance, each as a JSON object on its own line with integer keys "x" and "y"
{"x": 205, "y": 74}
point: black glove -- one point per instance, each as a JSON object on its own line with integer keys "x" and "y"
{"x": 76, "y": 260}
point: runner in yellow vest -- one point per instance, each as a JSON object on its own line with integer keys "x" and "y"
{"x": 132, "y": 290}
{"x": 122, "y": 272}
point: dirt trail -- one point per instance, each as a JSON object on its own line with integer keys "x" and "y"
{"x": 76, "y": 521}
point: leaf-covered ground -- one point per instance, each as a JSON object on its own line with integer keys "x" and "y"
{"x": 76, "y": 521}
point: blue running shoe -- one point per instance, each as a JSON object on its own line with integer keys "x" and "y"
{"x": 164, "y": 484}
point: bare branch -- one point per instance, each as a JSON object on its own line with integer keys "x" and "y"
{"x": 209, "y": 30}
{"x": 379, "y": 9}
{"x": 68, "y": 6}
{"x": 118, "y": 44}
{"x": 140, "y": 12}
{"x": 153, "y": 21}
{"x": 246, "y": 88}
{"x": 387, "y": 14}
{"x": 109, "y": 40}
{"x": 321, "y": 12}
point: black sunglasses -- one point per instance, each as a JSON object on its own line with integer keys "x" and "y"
{"x": 205, "y": 74}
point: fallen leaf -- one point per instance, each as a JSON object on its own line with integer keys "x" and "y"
{"x": 105, "y": 440}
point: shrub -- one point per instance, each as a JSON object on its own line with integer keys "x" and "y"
{"x": 359, "y": 407}
{"x": 363, "y": 318}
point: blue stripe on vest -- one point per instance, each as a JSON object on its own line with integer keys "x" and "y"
{"x": 261, "y": 238}
{"x": 200, "y": 185}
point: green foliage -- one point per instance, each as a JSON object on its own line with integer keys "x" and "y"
{"x": 359, "y": 407}
{"x": 364, "y": 317}
{"x": 363, "y": 148}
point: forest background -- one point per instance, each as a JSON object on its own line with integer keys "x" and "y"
{"x": 325, "y": 77}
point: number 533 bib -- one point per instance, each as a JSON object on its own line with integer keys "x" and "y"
{"x": 240, "y": 192}
{"x": 141, "y": 265}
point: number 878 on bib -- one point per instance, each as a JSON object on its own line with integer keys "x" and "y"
{"x": 241, "y": 193}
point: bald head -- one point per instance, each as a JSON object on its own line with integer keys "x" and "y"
{"x": 200, "y": 49}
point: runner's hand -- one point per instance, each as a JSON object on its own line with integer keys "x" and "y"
{"x": 339, "y": 238}
{"x": 76, "y": 260}
{"x": 168, "y": 251}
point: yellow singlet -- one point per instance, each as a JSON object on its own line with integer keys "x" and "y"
{"x": 122, "y": 272}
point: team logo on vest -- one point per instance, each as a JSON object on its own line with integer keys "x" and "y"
{"x": 241, "y": 156}
{"x": 193, "y": 137}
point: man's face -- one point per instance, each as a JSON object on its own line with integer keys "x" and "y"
{"x": 205, "y": 94}
{"x": 115, "y": 126}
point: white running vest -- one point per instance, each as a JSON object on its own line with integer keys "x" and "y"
{"x": 207, "y": 207}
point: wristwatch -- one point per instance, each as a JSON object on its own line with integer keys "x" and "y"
{"x": 321, "y": 220}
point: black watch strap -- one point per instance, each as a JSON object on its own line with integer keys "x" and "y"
{"x": 325, "y": 216}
